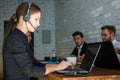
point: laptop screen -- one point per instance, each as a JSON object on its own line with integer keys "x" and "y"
{"x": 107, "y": 57}
{"x": 90, "y": 56}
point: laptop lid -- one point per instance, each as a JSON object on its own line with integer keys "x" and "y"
{"x": 88, "y": 61}
{"x": 107, "y": 57}
{"x": 90, "y": 56}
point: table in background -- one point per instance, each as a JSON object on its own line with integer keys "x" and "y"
{"x": 95, "y": 74}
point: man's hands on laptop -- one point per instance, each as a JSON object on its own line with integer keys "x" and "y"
{"x": 80, "y": 58}
{"x": 63, "y": 65}
{"x": 117, "y": 50}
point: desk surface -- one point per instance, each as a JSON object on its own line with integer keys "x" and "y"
{"x": 95, "y": 74}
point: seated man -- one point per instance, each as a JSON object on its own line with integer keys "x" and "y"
{"x": 81, "y": 45}
{"x": 108, "y": 34}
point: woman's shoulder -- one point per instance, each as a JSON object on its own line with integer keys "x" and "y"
{"x": 13, "y": 37}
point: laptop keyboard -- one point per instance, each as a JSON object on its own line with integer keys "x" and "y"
{"x": 73, "y": 69}
{"x": 74, "y": 72}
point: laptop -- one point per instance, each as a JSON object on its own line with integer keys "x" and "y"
{"x": 87, "y": 63}
{"x": 107, "y": 57}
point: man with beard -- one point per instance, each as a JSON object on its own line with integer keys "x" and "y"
{"x": 108, "y": 33}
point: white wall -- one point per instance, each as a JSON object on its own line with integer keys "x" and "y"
{"x": 87, "y": 16}
{"x": 7, "y": 8}
{"x": 63, "y": 17}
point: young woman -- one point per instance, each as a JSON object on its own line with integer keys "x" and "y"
{"x": 18, "y": 64}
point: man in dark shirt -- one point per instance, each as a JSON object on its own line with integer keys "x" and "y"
{"x": 81, "y": 45}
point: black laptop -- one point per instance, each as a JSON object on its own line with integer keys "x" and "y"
{"x": 86, "y": 64}
{"x": 107, "y": 57}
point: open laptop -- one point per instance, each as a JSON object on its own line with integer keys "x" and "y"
{"x": 86, "y": 64}
{"x": 107, "y": 57}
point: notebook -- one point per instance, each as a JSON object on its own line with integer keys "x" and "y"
{"x": 107, "y": 57}
{"x": 86, "y": 64}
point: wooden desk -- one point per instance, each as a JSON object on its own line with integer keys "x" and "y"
{"x": 1, "y": 66}
{"x": 95, "y": 74}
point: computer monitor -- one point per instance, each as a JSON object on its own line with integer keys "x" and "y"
{"x": 107, "y": 57}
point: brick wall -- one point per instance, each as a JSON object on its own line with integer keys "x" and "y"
{"x": 86, "y": 16}
{"x": 7, "y": 8}
{"x": 63, "y": 17}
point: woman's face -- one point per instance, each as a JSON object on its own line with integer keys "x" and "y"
{"x": 35, "y": 21}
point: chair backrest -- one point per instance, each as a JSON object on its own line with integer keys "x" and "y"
{"x": 1, "y": 66}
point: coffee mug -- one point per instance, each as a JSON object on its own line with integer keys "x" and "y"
{"x": 71, "y": 59}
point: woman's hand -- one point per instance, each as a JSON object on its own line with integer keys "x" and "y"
{"x": 63, "y": 65}
{"x": 56, "y": 67}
